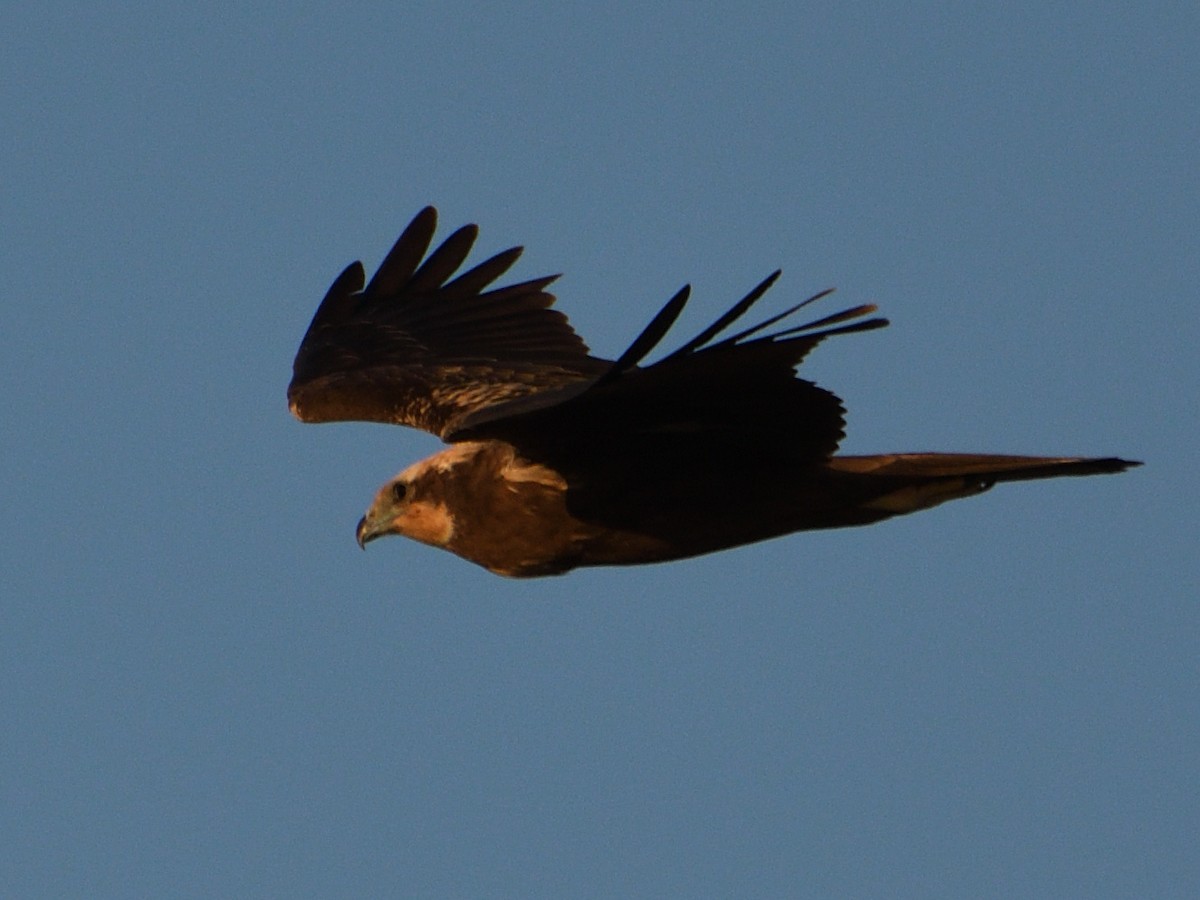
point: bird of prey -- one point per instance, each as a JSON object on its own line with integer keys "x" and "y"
{"x": 560, "y": 459}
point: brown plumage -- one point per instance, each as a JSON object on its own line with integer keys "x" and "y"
{"x": 559, "y": 459}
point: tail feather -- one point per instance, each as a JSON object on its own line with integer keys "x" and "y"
{"x": 898, "y": 483}
{"x": 981, "y": 466}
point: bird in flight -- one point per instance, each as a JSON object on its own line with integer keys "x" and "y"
{"x": 560, "y": 459}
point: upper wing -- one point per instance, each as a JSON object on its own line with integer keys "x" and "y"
{"x": 713, "y": 408}
{"x": 414, "y": 348}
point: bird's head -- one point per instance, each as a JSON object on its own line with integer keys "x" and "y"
{"x": 402, "y": 506}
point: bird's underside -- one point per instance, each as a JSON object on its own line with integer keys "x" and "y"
{"x": 559, "y": 459}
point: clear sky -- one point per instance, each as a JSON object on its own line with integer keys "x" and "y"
{"x": 206, "y": 689}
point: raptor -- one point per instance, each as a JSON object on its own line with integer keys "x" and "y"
{"x": 560, "y": 459}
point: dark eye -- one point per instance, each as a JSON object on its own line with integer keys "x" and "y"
{"x": 399, "y": 489}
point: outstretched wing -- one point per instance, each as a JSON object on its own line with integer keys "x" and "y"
{"x": 415, "y": 348}
{"x": 716, "y": 407}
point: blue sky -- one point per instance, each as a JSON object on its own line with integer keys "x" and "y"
{"x": 209, "y": 691}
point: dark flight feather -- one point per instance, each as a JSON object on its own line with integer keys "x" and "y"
{"x": 414, "y": 348}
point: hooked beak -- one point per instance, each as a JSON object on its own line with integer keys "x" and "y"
{"x": 363, "y": 533}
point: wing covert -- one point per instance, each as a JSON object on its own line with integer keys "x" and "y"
{"x": 416, "y": 348}
{"x": 714, "y": 405}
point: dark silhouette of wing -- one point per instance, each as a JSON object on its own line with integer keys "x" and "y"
{"x": 416, "y": 348}
{"x": 712, "y": 406}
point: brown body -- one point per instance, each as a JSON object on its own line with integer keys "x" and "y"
{"x": 559, "y": 459}
{"x": 483, "y": 502}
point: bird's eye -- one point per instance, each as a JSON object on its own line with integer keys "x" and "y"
{"x": 399, "y": 489}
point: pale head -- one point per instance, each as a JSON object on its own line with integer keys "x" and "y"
{"x": 410, "y": 505}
